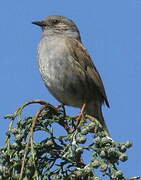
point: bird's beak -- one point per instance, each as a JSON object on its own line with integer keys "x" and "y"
{"x": 39, "y": 23}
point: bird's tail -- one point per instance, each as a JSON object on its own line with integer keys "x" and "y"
{"x": 102, "y": 121}
{"x": 97, "y": 113}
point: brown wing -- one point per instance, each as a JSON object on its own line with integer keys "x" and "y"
{"x": 87, "y": 65}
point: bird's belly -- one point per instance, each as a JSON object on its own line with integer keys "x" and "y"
{"x": 60, "y": 77}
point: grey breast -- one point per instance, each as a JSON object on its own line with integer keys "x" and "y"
{"x": 61, "y": 73}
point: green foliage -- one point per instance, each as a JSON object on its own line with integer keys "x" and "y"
{"x": 59, "y": 157}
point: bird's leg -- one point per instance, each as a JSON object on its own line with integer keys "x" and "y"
{"x": 63, "y": 108}
{"x": 81, "y": 112}
{"x": 64, "y": 111}
{"x": 78, "y": 118}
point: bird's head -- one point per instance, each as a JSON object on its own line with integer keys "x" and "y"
{"x": 58, "y": 25}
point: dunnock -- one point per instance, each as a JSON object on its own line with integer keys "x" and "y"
{"x": 67, "y": 69}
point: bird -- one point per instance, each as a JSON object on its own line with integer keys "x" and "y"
{"x": 67, "y": 68}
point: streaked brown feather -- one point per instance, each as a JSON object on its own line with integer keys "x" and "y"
{"x": 82, "y": 57}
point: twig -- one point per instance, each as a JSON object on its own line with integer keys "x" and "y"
{"x": 37, "y": 101}
{"x": 29, "y": 140}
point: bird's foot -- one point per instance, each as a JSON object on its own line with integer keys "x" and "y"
{"x": 61, "y": 108}
{"x": 75, "y": 123}
{"x": 77, "y": 119}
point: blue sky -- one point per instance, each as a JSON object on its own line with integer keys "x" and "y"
{"x": 110, "y": 30}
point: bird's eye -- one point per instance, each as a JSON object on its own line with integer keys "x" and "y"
{"x": 55, "y": 21}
